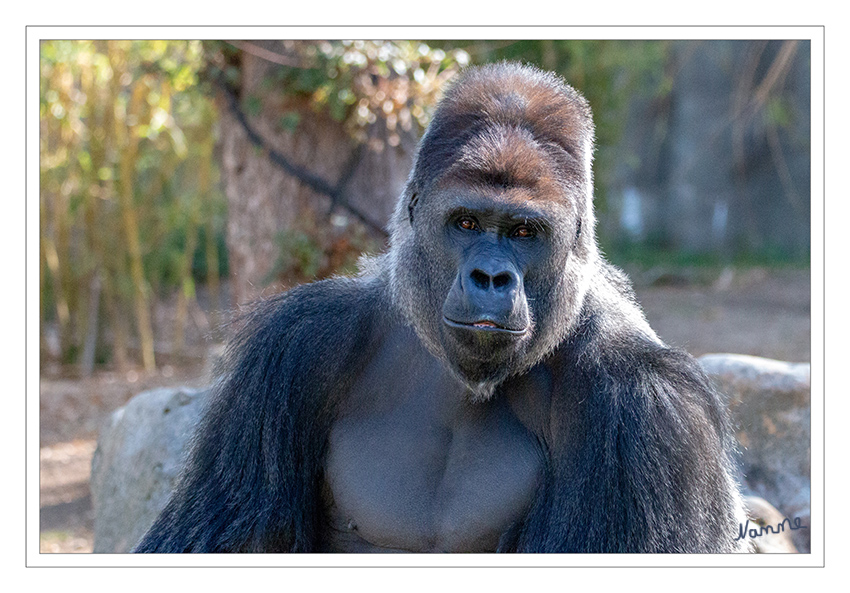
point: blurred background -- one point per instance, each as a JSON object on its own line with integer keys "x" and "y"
{"x": 182, "y": 180}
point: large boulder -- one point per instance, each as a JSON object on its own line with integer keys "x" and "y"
{"x": 138, "y": 459}
{"x": 770, "y": 403}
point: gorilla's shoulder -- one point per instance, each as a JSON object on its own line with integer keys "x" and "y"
{"x": 339, "y": 302}
{"x": 611, "y": 318}
{"x": 320, "y": 328}
{"x": 614, "y": 349}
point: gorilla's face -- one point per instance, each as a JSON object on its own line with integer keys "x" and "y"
{"x": 491, "y": 276}
{"x": 496, "y": 261}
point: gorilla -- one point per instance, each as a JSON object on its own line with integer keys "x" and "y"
{"x": 488, "y": 384}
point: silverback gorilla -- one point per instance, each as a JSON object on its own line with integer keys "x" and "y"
{"x": 487, "y": 385}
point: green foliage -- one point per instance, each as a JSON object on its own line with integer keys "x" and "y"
{"x": 289, "y": 121}
{"x": 109, "y": 110}
{"x": 253, "y": 105}
{"x": 299, "y": 255}
{"x": 359, "y": 83}
{"x": 778, "y": 112}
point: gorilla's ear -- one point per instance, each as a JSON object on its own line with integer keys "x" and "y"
{"x": 411, "y": 205}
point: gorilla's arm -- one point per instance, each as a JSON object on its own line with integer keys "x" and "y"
{"x": 253, "y": 477}
{"x": 640, "y": 448}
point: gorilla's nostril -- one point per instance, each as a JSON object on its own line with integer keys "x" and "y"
{"x": 480, "y": 279}
{"x": 501, "y": 280}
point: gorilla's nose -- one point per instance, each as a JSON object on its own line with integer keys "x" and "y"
{"x": 499, "y": 281}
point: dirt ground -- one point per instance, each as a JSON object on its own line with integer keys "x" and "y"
{"x": 757, "y": 311}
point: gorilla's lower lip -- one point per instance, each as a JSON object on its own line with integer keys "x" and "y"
{"x": 484, "y": 325}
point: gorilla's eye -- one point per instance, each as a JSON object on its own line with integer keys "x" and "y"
{"x": 522, "y": 232}
{"x": 467, "y": 223}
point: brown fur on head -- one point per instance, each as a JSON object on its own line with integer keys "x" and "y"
{"x": 512, "y": 105}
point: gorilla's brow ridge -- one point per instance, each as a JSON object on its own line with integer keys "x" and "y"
{"x": 509, "y": 213}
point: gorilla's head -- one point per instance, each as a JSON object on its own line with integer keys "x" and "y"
{"x": 493, "y": 237}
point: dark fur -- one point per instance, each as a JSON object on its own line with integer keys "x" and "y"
{"x": 641, "y": 461}
{"x": 637, "y": 443}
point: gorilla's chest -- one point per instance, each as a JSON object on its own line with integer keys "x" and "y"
{"x": 419, "y": 469}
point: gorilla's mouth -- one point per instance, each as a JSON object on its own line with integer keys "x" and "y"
{"x": 484, "y": 325}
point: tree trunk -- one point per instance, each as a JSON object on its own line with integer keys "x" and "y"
{"x": 264, "y": 201}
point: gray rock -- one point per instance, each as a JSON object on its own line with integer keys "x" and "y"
{"x": 138, "y": 459}
{"x": 770, "y": 405}
{"x": 773, "y": 531}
